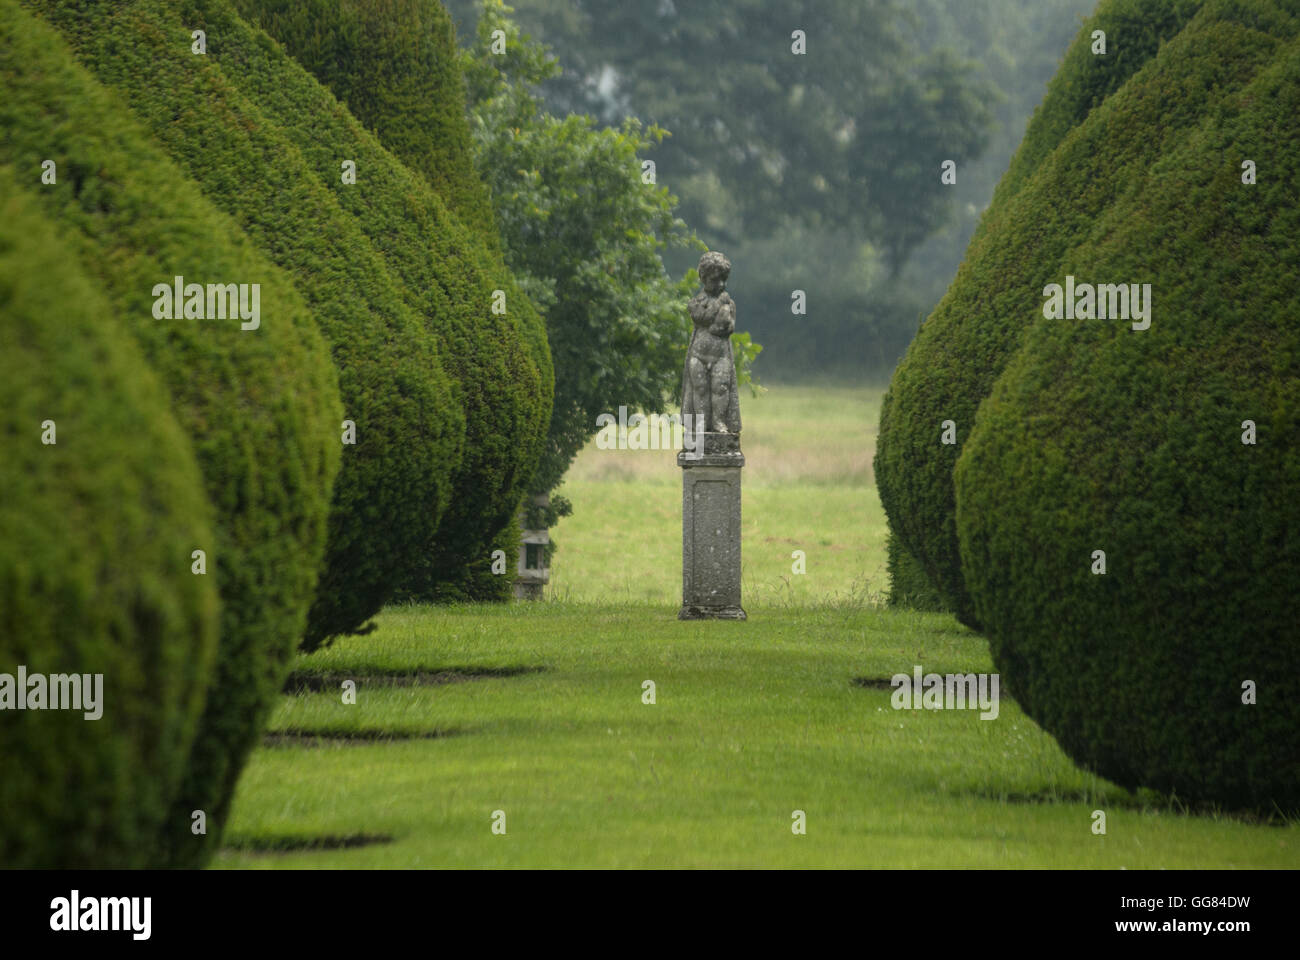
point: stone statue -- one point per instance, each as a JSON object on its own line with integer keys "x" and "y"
{"x": 710, "y": 398}
{"x": 711, "y": 460}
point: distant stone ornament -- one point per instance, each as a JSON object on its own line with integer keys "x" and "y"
{"x": 711, "y": 461}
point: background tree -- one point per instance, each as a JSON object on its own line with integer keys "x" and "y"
{"x": 583, "y": 227}
{"x": 817, "y": 172}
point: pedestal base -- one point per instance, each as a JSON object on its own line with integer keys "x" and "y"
{"x": 711, "y": 528}
{"x": 711, "y": 613}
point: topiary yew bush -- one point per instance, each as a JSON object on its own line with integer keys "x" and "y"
{"x": 1178, "y": 668}
{"x": 394, "y": 484}
{"x": 967, "y": 341}
{"x": 449, "y": 274}
{"x": 1134, "y": 31}
{"x": 909, "y": 587}
{"x": 260, "y": 406}
{"x": 393, "y": 63}
{"x": 96, "y": 531}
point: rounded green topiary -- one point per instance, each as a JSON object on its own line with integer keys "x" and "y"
{"x": 261, "y": 405}
{"x": 909, "y": 587}
{"x": 1178, "y": 667}
{"x": 406, "y": 425}
{"x": 103, "y": 505}
{"x": 393, "y": 63}
{"x": 1133, "y": 32}
{"x": 493, "y": 343}
{"x": 1021, "y": 242}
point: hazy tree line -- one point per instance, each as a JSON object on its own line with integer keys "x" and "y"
{"x": 817, "y": 171}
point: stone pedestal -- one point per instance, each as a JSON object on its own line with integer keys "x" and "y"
{"x": 532, "y": 570}
{"x": 711, "y": 528}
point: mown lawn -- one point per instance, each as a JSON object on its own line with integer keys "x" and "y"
{"x": 536, "y": 709}
{"x": 751, "y": 722}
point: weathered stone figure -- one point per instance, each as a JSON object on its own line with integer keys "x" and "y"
{"x": 709, "y": 393}
{"x": 712, "y": 461}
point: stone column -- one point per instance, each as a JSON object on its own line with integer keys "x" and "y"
{"x": 711, "y": 528}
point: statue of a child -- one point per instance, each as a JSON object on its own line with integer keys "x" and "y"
{"x": 709, "y": 392}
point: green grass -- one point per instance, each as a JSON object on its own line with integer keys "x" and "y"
{"x": 752, "y": 721}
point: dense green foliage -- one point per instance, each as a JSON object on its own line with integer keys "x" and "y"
{"x": 583, "y": 233}
{"x": 448, "y": 274}
{"x": 1017, "y": 249}
{"x": 393, "y": 63}
{"x": 1099, "y": 437}
{"x": 394, "y": 482}
{"x": 1134, "y": 31}
{"x": 260, "y": 406}
{"x": 909, "y": 587}
{"x": 119, "y": 482}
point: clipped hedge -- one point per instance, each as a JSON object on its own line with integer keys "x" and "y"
{"x": 1021, "y": 242}
{"x": 448, "y": 275}
{"x": 1101, "y": 438}
{"x": 261, "y": 406}
{"x": 909, "y": 587}
{"x": 119, "y": 482}
{"x": 393, "y": 62}
{"x": 395, "y": 479}
{"x": 1134, "y": 31}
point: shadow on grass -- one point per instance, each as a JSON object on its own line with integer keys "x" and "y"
{"x": 348, "y": 738}
{"x": 887, "y": 683}
{"x": 873, "y": 683}
{"x": 1053, "y": 795}
{"x": 1142, "y": 800}
{"x": 303, "y": 682}
{"x": 274, "y": 845}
